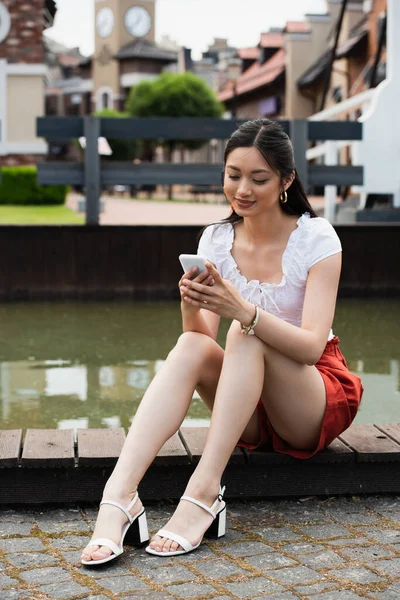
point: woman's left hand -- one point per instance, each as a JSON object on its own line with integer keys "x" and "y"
{"x": 222, "y": 298}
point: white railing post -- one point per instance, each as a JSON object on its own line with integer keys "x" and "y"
{"x": 330, "y": 190}
{"x": 380, "y": 150}
{"x": 328, "y": 150}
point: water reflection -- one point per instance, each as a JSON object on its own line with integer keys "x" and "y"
{"x": 76, "y": 396}
{"x": 88, "y": 365}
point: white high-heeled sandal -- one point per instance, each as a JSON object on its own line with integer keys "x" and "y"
{"x": 216, "y": 530}
{"x": 135, "y": 532}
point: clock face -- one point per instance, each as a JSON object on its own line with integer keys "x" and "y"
{"x": 137, "y": 21}
{"x": 5, "y": 22}
{"x": 105, "y": 22}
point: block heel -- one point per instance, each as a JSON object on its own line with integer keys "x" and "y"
{"x": 217, "y": 528}
{"x": 138, "y": 533}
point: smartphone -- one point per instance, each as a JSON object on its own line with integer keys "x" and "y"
{"x": 192, "y": 260}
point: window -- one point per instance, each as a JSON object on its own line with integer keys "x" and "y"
{"x": 337, "y": 94}
{"x": 104, "y": 98}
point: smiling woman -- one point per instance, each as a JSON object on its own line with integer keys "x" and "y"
{"x": 273, "y": 270}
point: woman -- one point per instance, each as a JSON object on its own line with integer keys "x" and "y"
{"x": 273, "y": 269}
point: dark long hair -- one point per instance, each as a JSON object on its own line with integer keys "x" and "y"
{"x": 275, "y": 146}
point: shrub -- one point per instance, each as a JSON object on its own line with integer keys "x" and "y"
{"x": 18, "y": 186}
{"x": 124, "y": 149}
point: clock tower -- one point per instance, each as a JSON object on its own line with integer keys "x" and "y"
{"x": 118, "y": 23}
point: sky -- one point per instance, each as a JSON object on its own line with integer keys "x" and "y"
{"x": 191, "y": 23}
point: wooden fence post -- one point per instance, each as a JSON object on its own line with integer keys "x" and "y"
{"x": 299, "y": 137}
{"x": 92, "y": 170}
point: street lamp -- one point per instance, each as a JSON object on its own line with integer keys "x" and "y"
{"x": 234, "y": 71}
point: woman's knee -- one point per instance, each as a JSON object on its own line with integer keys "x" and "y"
{"x": 235, "y": 338}
{"x": 192, "y": 344}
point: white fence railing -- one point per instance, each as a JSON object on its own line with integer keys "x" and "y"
{"x": 328, "y": 152}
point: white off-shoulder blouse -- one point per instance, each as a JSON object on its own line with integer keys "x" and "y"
{"x": 313, "y": 240}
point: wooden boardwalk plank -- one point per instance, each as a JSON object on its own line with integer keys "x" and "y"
{"x": 370, "y": 444}
{"x": 55, "y": 485}
{"x": 336, "y": 452}
{"x": 194, "y": 439}
{"x": 172, "y": 453}
{"x": 392, "y": 430}
{"x": 99, "y": 447}
{"x": 10, "y": 445}
{"x": 267, "y": 457}
{"x": 365, "y": 459}
{"x": 48, "y": 448}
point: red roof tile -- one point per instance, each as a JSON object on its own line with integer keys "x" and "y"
{"x": 66, "y": 60}
{"x": 297, "y": 27}
{"x": 246, "y": 53}
{"x": 255, "y": 76}
{"x": 271, "y": 39}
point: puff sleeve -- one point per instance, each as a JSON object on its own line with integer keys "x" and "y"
{"x": 205, "y": 247}
{"x": 323, "y": 241}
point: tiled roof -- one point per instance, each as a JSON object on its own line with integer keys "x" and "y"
{"x": 349, "y": 48}
{"x": 271, "y": 39}
{"x": 255, "y": 77}
{"x": 145, "y": 49}
{"x": 356, "y": 42}
{"x": 297, "y": 27}
{"x": 66, "y": 60}
{"x": 248, "y": 53}
{"x": 86, "y": 62}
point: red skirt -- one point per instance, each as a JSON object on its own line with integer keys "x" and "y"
{"x": 343, "y": 396}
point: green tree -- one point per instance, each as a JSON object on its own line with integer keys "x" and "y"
{"x": 174, "y": 95}
{"x": 122, "y": 149}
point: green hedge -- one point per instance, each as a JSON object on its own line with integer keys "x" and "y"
{"x": 18, "y": 186}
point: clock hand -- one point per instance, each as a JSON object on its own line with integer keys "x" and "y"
{"x": 134, "y": 23}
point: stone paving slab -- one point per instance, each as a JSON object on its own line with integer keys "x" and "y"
{"x": 342, "y": 548}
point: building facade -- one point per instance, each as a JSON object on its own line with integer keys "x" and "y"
{"x": 285, "y": 75}
{"x": 22, "y": 78}
{"x": 125, "y": 54}
{"x": 360, "y": 57}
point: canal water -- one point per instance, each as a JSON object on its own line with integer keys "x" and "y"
{"x": 71, "y": 365}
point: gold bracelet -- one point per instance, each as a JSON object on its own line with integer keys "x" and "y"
{"x": 249, "y": 329}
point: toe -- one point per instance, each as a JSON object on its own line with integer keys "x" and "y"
{"x": 174, "y": 547}
{"x": 101, "y": 553}
{"x": 170, "y": 546}
{"x": 88, "y": 551}
{"x": 156, "y": 543}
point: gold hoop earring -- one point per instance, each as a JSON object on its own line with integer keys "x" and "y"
{"x": 283, "y": 197}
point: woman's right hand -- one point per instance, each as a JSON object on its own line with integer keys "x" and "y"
{"x": 204, "y": 277}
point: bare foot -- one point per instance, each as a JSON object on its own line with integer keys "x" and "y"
{"x": 189, "y": 521}
{"x": 109, "y": 524}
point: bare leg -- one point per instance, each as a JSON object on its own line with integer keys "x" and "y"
{"x": 294, "y": 397}
{"x": 195, "y": 360}
{"x": 239, "y": 389}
